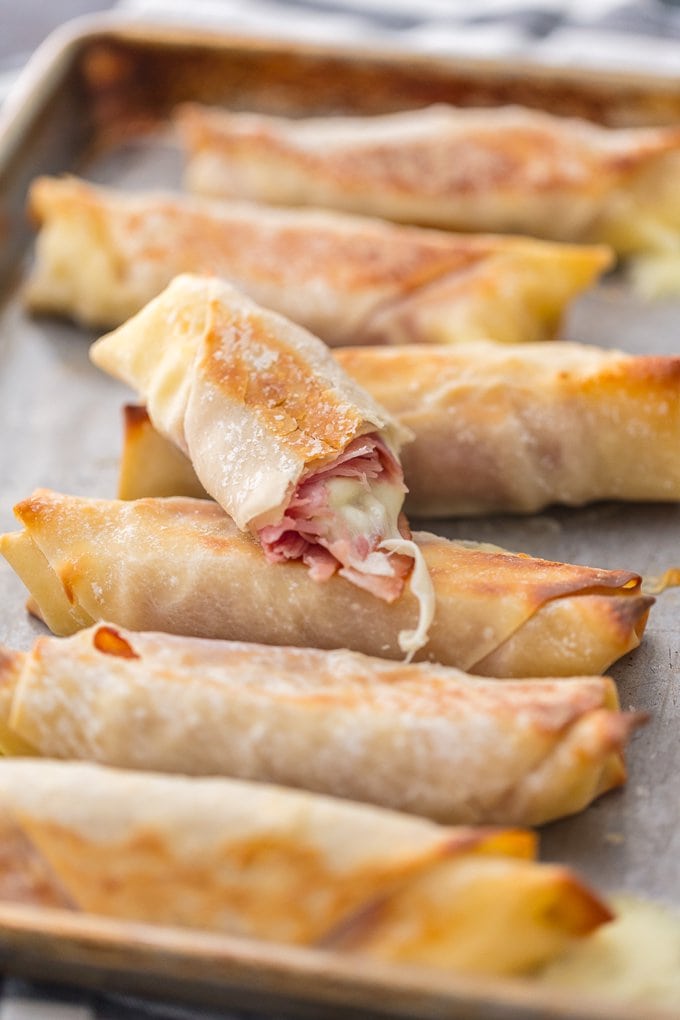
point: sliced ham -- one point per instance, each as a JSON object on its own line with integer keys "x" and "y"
{"x": 315, "y": 532}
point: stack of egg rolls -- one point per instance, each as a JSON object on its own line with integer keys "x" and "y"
{"x": 149, "y": 587}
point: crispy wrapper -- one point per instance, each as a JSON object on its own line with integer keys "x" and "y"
{"x": 497, "y": 429}
{"x": 266, "y": 862}
{"x": 515, "y": 429}
{"x": 256, "y": 402}
{"x": 476, "y": 751}
{"x": 507, "y": 169}
{"x": 102, "y": 255}
{"x": 181, "y": 565}
{"x": 278, "y": 434}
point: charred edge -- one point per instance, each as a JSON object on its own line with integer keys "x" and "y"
{"x": 135, "y": 417}
{"x": 632, "y": 614}
{"x": 35, "y": 507}
{"x": 628, "y": 615}
{"x": 578, "y": 910}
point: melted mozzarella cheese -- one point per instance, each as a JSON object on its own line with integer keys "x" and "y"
{"x": 656, "y": 275}
{"x": 421, "y": 586}
{"x": 373, "y": 510}
{"x": 634, "y": 959}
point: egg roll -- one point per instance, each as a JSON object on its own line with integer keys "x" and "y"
{"x": 101, "y": 255}
{"x": 500, "y": 169}
{"x": 182, "y": 566}
{"x": 281, "y": 865}
{"x": 498, "y": 429}
{"x": 278, "y": 434}
{"x": 421, "y": 738}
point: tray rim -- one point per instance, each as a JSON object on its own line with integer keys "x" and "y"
{"x": 29, "y": 936}
{"x": 78, "y": 943}
{"x": 52, "y": 57}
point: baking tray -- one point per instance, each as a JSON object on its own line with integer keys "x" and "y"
{"x": 94, "y": 100}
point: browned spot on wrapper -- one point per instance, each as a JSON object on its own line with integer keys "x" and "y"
{"x": 499, "y": 573}
{"x": 109, "y": 641}
{"x": 244, "y": 358}
{"x": 135, "y": 417}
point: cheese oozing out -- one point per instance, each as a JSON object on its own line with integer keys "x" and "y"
{"x": 346, "y": 517}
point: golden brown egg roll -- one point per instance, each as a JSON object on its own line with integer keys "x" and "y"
{"x": 497, "y": 428}
{"x": 270, "y": 863}
{"x": 150, "y": 464}
{"x": 182, "y": 566}
{"x": 515, "y": 429}
{"x": 280, "y": 436}
{"x": 423, "y": 738}
{"x": 503, "y": 169}
{"x": 101, "y": 255}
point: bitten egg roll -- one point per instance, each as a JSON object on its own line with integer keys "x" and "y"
{"x": 421, "y": 738}
{"x": 182, "y": 566}
{"x": 101, "y": 255}
{"x": 285, "y": 866}
{"x": 497, "y": 428}
{"x": 278, "y": 434}
{"x": 503, "y": 169}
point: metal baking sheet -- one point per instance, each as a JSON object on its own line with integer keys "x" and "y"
{"x": 94, "y": 103}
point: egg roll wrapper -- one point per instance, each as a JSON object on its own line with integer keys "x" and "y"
{"x": 180, "y": 565}
{"x": 478, "y": 751}
{"x": 256, "y": 402}
{"x": 497, "y": 429}
{"x": 101, "y": 255}
{"x": 518, "y": 428}
{"x": 266, "y": 862}
{"x": 12, "y": 664}
{"x": 503, "y": 169}
{"x": 150, "y": 464}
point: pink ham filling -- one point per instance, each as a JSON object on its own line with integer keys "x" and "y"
{"x": 305, "y": 531}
